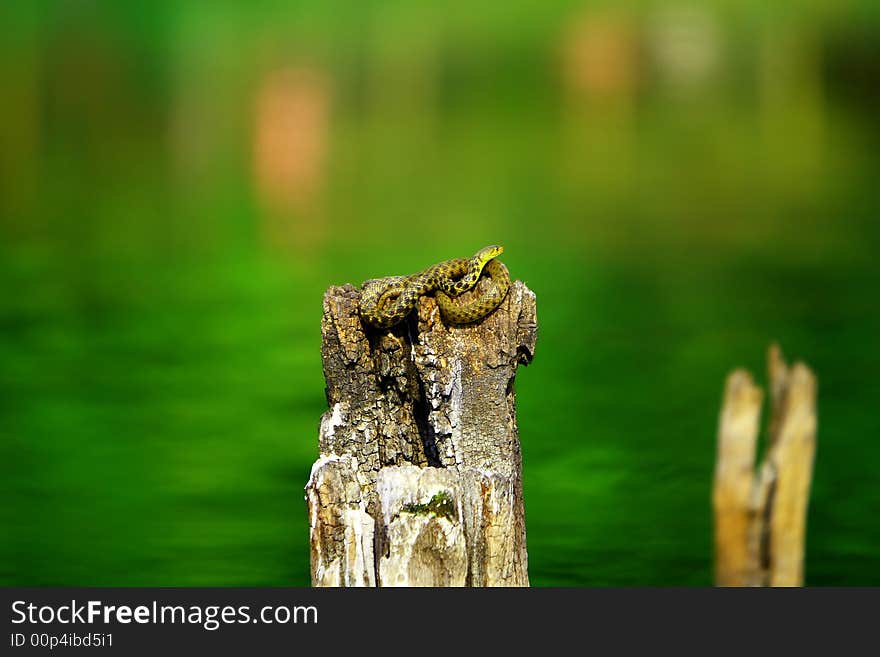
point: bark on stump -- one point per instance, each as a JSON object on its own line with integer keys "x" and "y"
{"x": 419, "y": 480}
{"x": 761, "y": 517}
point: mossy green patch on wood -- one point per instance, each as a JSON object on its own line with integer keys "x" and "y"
{"x": 440, "y": 505}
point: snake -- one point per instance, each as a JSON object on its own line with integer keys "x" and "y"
{"x": 385, "y": 302}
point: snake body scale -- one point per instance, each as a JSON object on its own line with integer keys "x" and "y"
{"x": 385, "y": 302}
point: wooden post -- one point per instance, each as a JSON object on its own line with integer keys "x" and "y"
{"x": 419, "y": 478}
{"x": 760, "y": 517}
{"x": 734, "y": 480}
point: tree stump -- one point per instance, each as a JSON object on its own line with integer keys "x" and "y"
{"x": 419, "y": 479}
{"x": 760, "y": 517}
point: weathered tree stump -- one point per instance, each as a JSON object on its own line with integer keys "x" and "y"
{"x": 419, "y": 480}
{"x": 760, "y": 517}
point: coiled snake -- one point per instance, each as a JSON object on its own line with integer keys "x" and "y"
{"x": 387, "y": 301}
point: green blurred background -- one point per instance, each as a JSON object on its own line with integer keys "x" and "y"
{"x": 679, "y": 182}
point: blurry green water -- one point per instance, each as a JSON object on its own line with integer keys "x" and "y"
{"x": 159, "y": 418}
{"x": 160, "y": 375}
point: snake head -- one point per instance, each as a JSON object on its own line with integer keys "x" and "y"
{"x": 487, "y": 253}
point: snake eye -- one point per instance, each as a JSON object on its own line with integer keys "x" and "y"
{"x": 490, "y": 252}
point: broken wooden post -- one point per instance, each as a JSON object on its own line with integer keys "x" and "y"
{"x": 419, "y": 479}
{"x": 760, "y": 517}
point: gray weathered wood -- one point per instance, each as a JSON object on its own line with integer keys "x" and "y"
{"x": 419, "y": 481}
